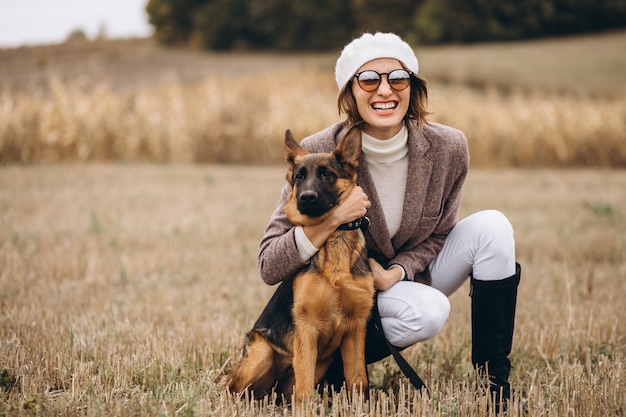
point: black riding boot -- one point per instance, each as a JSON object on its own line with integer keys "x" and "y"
{"x": 493, "y": 318}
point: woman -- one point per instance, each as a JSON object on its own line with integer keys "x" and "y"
{"x": 410, "y": 178}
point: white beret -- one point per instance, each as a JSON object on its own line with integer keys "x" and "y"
{"x": 369, "y": 47}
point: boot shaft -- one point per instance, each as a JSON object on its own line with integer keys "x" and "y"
{"x": 493, "y": 317}
{"x": 493, "y": 321}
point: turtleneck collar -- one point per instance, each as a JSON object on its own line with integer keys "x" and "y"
{"x": 386, "y": 151}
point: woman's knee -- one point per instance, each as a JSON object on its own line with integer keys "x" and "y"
{"x": 491, "y": 222}
{"x": 425, "y": 325}
{"x": 492, "y": 228}
{"x": 496, "y": 245}
{"x": 410, "y": 319}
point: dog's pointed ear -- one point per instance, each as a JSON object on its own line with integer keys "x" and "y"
{"x": 292, "y": 149}
{"x": 349, "y": 149}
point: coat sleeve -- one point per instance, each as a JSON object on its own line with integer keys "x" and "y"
{"x": 278, "y": 254}
{"x": 278, "y": 257}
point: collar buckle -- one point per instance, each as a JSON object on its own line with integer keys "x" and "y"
{"x": 360, "y": 223}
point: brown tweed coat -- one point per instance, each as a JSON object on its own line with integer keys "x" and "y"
{"x": 438, "y": 166}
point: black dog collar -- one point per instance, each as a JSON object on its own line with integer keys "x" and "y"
{"x": 360, "y": 223}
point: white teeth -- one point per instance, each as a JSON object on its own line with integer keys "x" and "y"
{"x": 384, "y": 106}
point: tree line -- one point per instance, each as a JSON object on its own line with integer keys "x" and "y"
{"x": 330, "y": 24}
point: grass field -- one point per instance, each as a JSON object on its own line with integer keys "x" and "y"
{"x": 128, "y": 271}
{"x": 127, "y": 290}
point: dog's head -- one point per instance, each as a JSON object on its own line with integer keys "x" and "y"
{"x": 320, "y": 181}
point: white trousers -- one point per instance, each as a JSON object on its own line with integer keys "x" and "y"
{"x": 481, "y": 244}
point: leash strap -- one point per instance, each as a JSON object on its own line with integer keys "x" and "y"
{"x": 406, "y": 369}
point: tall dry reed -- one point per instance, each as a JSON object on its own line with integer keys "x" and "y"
{"x": 242, "y": 118}
{"x": 533, "y": 128}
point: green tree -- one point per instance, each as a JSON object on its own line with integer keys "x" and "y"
{"x": 389, "y": 16}
{"x": 330, "y": 24}
{"x": 274, "y": 24}
{"x": 172, "y": 19}
{"x": 299, "y": 24}
{"x": 222, "y": 24}
{"x": 487, "y": 20}
{"x": 324, "y": 24}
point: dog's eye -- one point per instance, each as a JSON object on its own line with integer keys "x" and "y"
{"x": 299, "y": 176}
{"x": 327, "y": 176}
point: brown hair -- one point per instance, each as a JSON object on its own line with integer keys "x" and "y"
{"x": 417, "y": 103}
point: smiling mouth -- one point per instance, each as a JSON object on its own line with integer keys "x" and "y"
{"x": 385, "y": 107}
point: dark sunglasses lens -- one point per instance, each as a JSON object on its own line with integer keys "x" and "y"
{"x": 368, "y": 80}
{"x": 399, "y": 79}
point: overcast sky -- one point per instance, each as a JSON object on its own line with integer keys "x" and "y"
{"x": 32, "y": 22}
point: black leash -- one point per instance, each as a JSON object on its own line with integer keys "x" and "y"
{"x": 406, "y": 369}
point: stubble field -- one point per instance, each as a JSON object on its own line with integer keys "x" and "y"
{"x": 127, "y": 287}
{"x": 127, "y": 290}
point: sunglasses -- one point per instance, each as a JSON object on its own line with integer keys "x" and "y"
{"x": 370, "y": 80}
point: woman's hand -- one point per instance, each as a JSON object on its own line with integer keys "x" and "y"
{"x": 353, "y": 207}
{"x": 384, "y": 278}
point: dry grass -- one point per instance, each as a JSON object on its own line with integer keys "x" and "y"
{"x": 219, "y": 119}
{"x": 127, "y": 289}
{"x": 525, "y": 104}
{"x": 536, "y": 129}
{"x": 243, "y": 120}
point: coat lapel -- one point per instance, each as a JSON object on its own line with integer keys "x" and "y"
{"x": 419, "y": 173}
{"x": 377, "y": 231}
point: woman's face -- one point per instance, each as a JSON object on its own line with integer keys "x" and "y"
{"x": 383, "y": 109}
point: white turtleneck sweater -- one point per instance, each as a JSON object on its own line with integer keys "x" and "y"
{"x": 388, "y": 163}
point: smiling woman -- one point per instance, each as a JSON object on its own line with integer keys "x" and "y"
{"x": 381, "y": 104}
{"x": 410, "y": 182}
{"x": 30, "y": 22}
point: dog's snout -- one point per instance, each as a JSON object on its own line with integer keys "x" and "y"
{"x": 312, "y": 203}
{"x": 313, "y": 198}
{"x": 308, "y": 196}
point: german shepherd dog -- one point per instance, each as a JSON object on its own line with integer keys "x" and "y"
{"x": 326, "y": 305}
